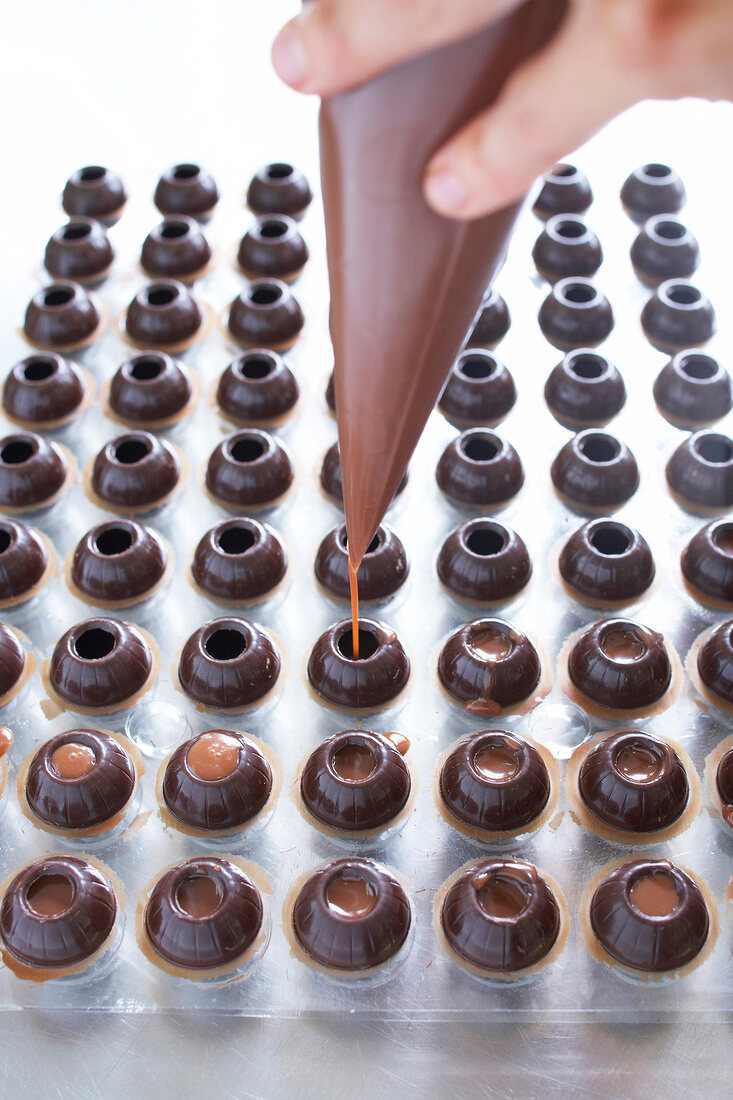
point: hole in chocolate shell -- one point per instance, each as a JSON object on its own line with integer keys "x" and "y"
{"x": 92, "y": 172}
{"x": 699, "y": 367}
{"x": 669, "y": 231}
{"x": 113, "y": 541}
{"x": 639, "y": 763}
{"x": 5, "y": 539}
{"x": 501, "y": 898}
{"x": 599, "y": 448}
{"x": 610, "y": 541}
{"x": 657, "y": 171}
{"x": 50, "y": 895}
{"x": 198, "y": 896}
{"x": 225, "y": 644}
{"x": 354, "y": 761}
{"x": 76, "y": 231}
{"x": 622, "y": 643}
{"x": 723, "y": 538}
{"x": 655, "y": 894}
{"x": 171, "y": 231}
{"x": 480, "y": 448}
{"x": 563, "y": 171}
{"x": 58, "y": 296}
{"x": 486, "y": 541}
{"x": 17, "y": 451}
{"x": 279, "y": 171}
{"x": 94, "y": 643}
{"x": 265, "y": 295}
{"x": 368, "y": 644}
{"x": 247, "y": 449}
{"x": 256, "y": 366}
{"x": 185, "y": 171}
{"x": 161, "y": 295}
{"x": 715, "y": 449}
{"x": 683, "y": 295}
{"x": 490, "y": 643}
{"x": 588, "y": 366}
{"x": 570, "y": 229}
{"x": 478, "y": 366}
{"x": 371, "y": 548}
{"x": 496, "y": 762}
{"x": 39, "y": 368}
{"x": 273, "y": 228}
{"x": 348, "y": 895}
{"x": 147, "y": 368}
{"x": 130, "y": 451}
{"x": 579, "y": 293}
{"x": 236, "y": 540}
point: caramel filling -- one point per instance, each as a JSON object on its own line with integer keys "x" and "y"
{"x": 350, "y": 897}
{"x": 490, "y": 644}
{"x": 6, "y": 740}
{"x": 198, "y": 896}
{"x": 639, "y": 764}
{"x": 50, "y": 895}
{"x": 655, "y": 894}
{"x": 501, "y": 898}
{"x": 497, "y": 762}
{"x": 354, "y": 761}
{"x": 620, "y": 644}
{"x": 72, "y": 760}
{"x": 400, "y": 742}
{"x": 213, "y": 756}
{"x": 354, "y": 592}
{"x": 727, "y": 812}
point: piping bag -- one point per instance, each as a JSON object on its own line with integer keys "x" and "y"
{"x": 405, "y": 282}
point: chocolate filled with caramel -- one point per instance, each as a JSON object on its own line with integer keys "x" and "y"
{"x": 257, "y": 387}
{"x": 585, "y": 390}
{"x": 118, "y": 563}
{"x": 239, "y": 560}
{"x": 33, "y": 472}
{"x": 79, "y": 250}
{"x": 94, "y": 192}
{"x": 724, "y": 785}
{"x": 249, "y": 468}
{"x": 481, "y": 469}
{"x": 266, "y": 314}
{"x": 186, "y": 189}
{"x": 373, "y": 679}
{"x": 621, "y": 665}
{"x": 62, "y": 316}
{"x": 44, "y": 391}
{"x": 501, "y": 916}
{"x": 707, "y": 561}
{"x": 492, "y": 322}
{"x": 652, "y": 189}
{"x": 217, "y": 781}
{"x": 715, "y": 661}
{"x": 692, "y": 390}
{"x": 279, "y": 188}
{"x": 330, "y": 476}
{"x": 565, "y": 190}
{"x": 100, "y": 665}
{"x": 351, "y": 915}
{"x": 229, "y": 664}
{"x": 151, "y": 390}
{"x": 273, "y": 248}
{"x": 485, "y": 561}
{"x": 650, "y": 916}
{"x": 135, "y": 472}
{"x": 203, "y": 914}
{"x": 355, "y": 781}
{"x": 595, "y": 470}
{"x": 567, "y": 247}
{"x": 14, "y": 664}
{"x": 488, "y": 666}
{"x": 175, "y": 249}
{"x": 605, "y": 561}
{"x": 664, "y": 249}
{"x": 480, "y": 391}
{"x": 677, "y": 316}
{"x": 57, "y": 912}
{"x": 700, "y": 472}
{"x": 163, "y": 315}
{"x": 25, "y": 562}
{"x": 575, "y": 314}
{"x": 383, "y": 571}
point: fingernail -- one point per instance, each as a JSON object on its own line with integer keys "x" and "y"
{"x": 289, "y": 57}
{"x": 446, "y": 191}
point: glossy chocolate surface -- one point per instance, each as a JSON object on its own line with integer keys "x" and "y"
{"x": 23, "y": 560}
{"x": 61, "y": 315}
{"x": 355, "y": 781}
{"x": 163, "y": 314}
{"x": 186, "y": 189}
{"x": 94, "y": 192}
{"x": 484, "y": 560}
{"x": 567, "y": 246}
{"x": 175, "y": 249}
{"x": 384, "y": 567}
{"x": 565, "y": 190}
{"x": 715, "y": 661}
{"x": 12, "y": 660}
{"x": 707, "y": 560}
{"x": 118, "y": 561}
{"x": 495, "y": 781}
{"x": 219, "y": 798}
{"x": 374, "y": 679}
{"x": 42, "y": 390}
{"x": 56, "y": 912}
{"x": 239, "y": 559}
{"x": 487, "y": 665}
{"x": 491, "y": 324}
{"x": 150, "y": 388}
{"x": 620, "y": 664}
{"x": 80, "y": 801}
{"x": 249, "y": 468}
{"x": 652, "y": 189}
{"x": 652, "y": 942}
{"x": 677, "y": 316}
{"x": 664, "y": 249}
{"x": 228, "y": 663}
{"x": 501, "y": 915}
{"x": 257, "y": 386}
{"x": 330, "y": 476}
{"x": 265, "y": 314}
{"x": 135, "y": 471}
{"x": 596, "y": 470}
{"x": 607, "y": 560}
{"x": 100, "y": 663}
{"x": 273, "y": 248}
{"x": 480, "y": 468}
{"x": 575, "y": 314}
{"x": 700, "y": 471}
{"x": 585, "y": 389}
{"x": 279, "y": 188}
{"x": 203, "y": 913}
{"x": 367, "y": 929}
{"x": 33, "y": 470}
{"x": 634, "y": 782}
{"x": 693, "y": 390}
{"x": 724, "y": 784}
{"x": 79, "y": 250}
{"x": 479, "y": 391}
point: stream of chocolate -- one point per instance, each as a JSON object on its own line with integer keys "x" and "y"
{"x": 405, "y": 283}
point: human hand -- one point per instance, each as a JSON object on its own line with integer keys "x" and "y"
{"x": 607, "y": 55}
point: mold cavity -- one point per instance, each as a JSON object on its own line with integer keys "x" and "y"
{"x": 500, "y": 898}
{"x": 279, "y": 171}
{"x": 588, "y": 366}
{"x": 368, "y": 644}
{"x": 477, "y": 366}
{"x": 657, "y": 171}
{"x": 683, "y": 295}
{"x": 94, "y": 643}
{"x": 161, "y": 295}
{"x": 265, "y": 295}
{"x": 92, "y": 172}
{"x": 236, "y": 540}
{"x": 563, "y": 171}
{"x": 58, "y": 296}
{"x": 599, "y": 448}
{"x": 225, "y": 644}
{"x": 670, "y": 231}
{"x": 16, "y": 451}
{"x": 354, "y": 761}
{"x": 350, "y": 896}
{"x": 146, "y": 368}
{"x": 273, "y": 228}
{"x": 722, "y": 536}
{"x": 39, "y": 369}
{"x": 198, "y": 896}
{"x": 654, "y": 894}
{"x": 247, "y": 450}
{"x": 113, "y": 540}
{"x": 622, "y": 643}
{"x": 130, "y": 451}
{"x": 172, "y": 230}
{"x": 5, "y": 539}
{"x": 256, "y": 366}
{"x": 611, "y": 541}
{"x": 185, "y": 171}
{"x": 486, "y": 541}
{"x": 50, "y": 895}
{"x": 570, "y": 229}
{"x": 715, "y": 449}
{"x": 699, "y": 367}
{"x": 480, "y": 448}
{"x": 579, "y": 293}
{"x": 76, "y": 231}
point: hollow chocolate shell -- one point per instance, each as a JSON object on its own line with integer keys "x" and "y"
{"x": 100, "y": 665}
{"x": 565, "y": 247}
{"x": 279, "y": 189}
{"x": 94, "y": 192}
{"x": 620, "y": 664}
{"x": 57, "y": 911}
{"x": 239, "y": 560}
{"x": 186, "y": 189}
{"x": 33, "y": 471}
{"x": 724, "y": 785}
{"x": 372, "y": 679}
{"x": 216, "y": 781}
{"x": 575, "y": 315}
{"x": 489, "y": 665}
{"x": 492, "y": 323}
{"x": 351, "y": 915}
{"x": 135, "y": 472}
{"x": 163, "y": 315}
{"x": 355, "y": 781}
{"x": 495, "y": 782}
{"x": 13, "y": 663}
{"x": 700, "y": 472}
{"x": 117, "y": 563}
{"x": 266, "y": 314}
{"x": 485, "y": 561}
{"x": 585, "y": 390}
{"x": 382, "y": 572}
{"x": 479, "y": 391}
{"x": 79, "y": 779}
{"x": 203, "y": 913}
{"x": 274, "y": 249}
{"x": 595, "y": 470}
{"x": 60, "y": 316}
{"x": 44, "y": 390}
{"x": 228, "y": 664}
{"x": 24, "y": 562}
{"x": 664, "y": 249}
{"x": 692, "y": 390}
{"x": 257, "y": 387}
{"x": 652, "y": 189}
{"x": 707, "y": 561}
{"x": 249, "y": 469}
{"x": 650, "y": 916}
{"x": 715, "y": 661}
{"x": 605, "y": 560}
{"x": 150, "y": 390}
{"x": 634, "y": 782}
{"x": 330, "y": 476}
{"x": 79, "y": 250}
{"x": 677, "y": 316}
{"x": 480, "y": 468}
{"x": 175, "y": 249}
{"x": 565, "y": 190}
{"x": 500, "y": 915}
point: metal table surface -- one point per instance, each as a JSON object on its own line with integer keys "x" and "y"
{"x": 139, "y": 86}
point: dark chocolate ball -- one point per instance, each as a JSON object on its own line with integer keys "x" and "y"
{"x": 693, "y": 391}
{"x": 266, "y": 314}
{"x": 279, "y": 188}
{"x": 257, "y": 387}
{"x": 480, "y": 468}
{"x": 60, "y": 316}
{"x": 33, "y": 471}
{"x": 249, "y": 468}
{"x": 94, "y": 192}
{"x": 620, "y": 665}
{"x": 150, "y": 390}
{"x": 652, "y": 189}
{"x": 715, "y": 661}
{"x": 12, "y": 662}
{"x": 330, "y": 476}
{"x": 79, "y": 250}
{"x": 186, "y": 189}
{"x": 44, "y": 390}
{"x": 707, "y": 561}
{"x": 163, "y": 315}
{"x": 567, "y": 246}
{"x": 595, "y": 470}
{"x": 724, "y": 785}
{"x": 274, "y": 249}
{"x": 228, "y": 664}
{"x": 492, "y": 323}
{"x": 135, "y": 472}
{"x": 383, "y": 568}
{"x": 585, "y": 390}
{"x": 575, "y": 314}
{"x": 118, "y": 562}
{"x": 485, "y": 561}
{"x": 373, "y": 679}
{"x": 488, "y": 665}
{"x": 239, "y": 560}
{"x": 607, "y": 561}
{"x": 100, "y": 664}
{"x": 565, "y": 190}
{"x": 700, "y": 472}
{"x": 677, "y": 316}
{"x": 479, "y": 391}
{"x": 24, "y": 561}
{"x": 664, "y": 249}
{"x": 175, "y": 249}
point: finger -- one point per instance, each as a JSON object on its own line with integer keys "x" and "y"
{"x": 336, "y": 44}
